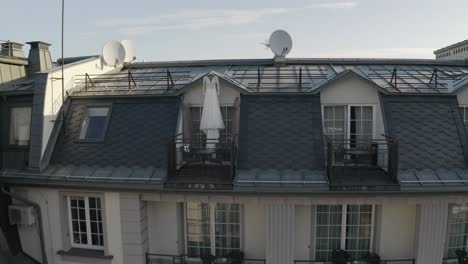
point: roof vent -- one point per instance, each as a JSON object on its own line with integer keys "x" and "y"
{"x": 12, "y": 49}
{"x": 39, "y": 57}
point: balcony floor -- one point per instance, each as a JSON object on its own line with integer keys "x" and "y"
{"x": 361, "y": 178}
{"x": 197, "y": 176}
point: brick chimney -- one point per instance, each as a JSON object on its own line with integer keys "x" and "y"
{"x": 39, "y": 57}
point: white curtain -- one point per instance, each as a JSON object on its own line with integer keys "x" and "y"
{"x": 20, "y": 125}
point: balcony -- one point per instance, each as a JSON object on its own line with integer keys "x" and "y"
{"x": 184, "y": 259}
{"x": 383, "y": 261}
{"x": 203, "y": 164}
{"x": 362, "y": 166}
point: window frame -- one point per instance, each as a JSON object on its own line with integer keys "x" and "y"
{"x": 84, "y": 115}
{"x": 343, "y": 237}
{"x": 464, "y": 109}
{"x": 9, "y": 120}
{"x": 347, "y": 115}
{"x": 212, "y": 207}
{"x": 448, "y": 233}
{"x": 224, "y": 109}
{"x": 86, "y": 197}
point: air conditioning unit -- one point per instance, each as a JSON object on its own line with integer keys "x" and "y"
{"x": 21, "y": 215}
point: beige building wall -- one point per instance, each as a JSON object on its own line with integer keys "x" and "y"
{"x": 355, "y": 91}
{"x": 397, "y": 231}
{"x": 254, "y": 230}
{"x": 163, "y": 228}
{"x": 56, "y": 232}
{"x": 303, "y": 231}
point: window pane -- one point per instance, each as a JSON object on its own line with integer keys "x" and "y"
{"x": 334, "y": 122}
{"x": 78, "y": 220}
{"x": 93, "y": 125}
{"x": 458, "y": 229}
{"x": 198, "y": 229}
{"x": 358, "y": 230}
{"x": 328, "y": 231}
{"x": 227, "y": 228}
{"x": 20, "y": 126}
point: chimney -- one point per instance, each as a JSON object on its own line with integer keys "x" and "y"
{"x": 12, "y": 49}
{"x": 39, "y": 57}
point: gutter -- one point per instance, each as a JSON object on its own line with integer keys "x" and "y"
{"x": 39, "y": 216}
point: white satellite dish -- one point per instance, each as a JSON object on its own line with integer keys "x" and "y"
{"x": 113, "y": 53}
{"x": 280, "y": 43}
{"x": 130, "y": 50}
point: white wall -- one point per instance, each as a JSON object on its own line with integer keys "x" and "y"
{"x": 162, "y": 228}
{"x": 227, "y": 96}
{"x": 53, "y": 92}
{"x": 397, "y": 235}
{"x": 353, "y": 90}
{"x": 303, "y": 232}
{"x": 254, "y": 231}
{"x": 50, "y": 203}
{"x": 462, "y": 97}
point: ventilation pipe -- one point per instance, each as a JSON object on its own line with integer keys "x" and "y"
{"x": 39, "y": 57}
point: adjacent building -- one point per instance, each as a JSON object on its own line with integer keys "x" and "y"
{"x": 457, "y": 51}
{"x": 365, "y": 155}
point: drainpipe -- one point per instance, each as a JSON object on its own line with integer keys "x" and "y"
{"x": 39, "y": 221}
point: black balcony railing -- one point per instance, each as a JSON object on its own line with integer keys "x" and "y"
{"x": 184, "y": 259}
{"x": 201, "y": 163}
{"x": 387, "y": 261}
{"x": 362, "y": 165}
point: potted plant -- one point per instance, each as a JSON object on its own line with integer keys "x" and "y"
{"x": 340, "y": 256}
{"x": 373, "y": 258}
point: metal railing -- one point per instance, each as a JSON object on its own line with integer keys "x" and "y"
{"x": 184, "y": 259}
{"x": 358, "y": 158}
{"x": 387, "y": 261}
{"x": 202, "y": 158}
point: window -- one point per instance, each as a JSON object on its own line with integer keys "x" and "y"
{"x": 212, "y": 229}
{"x": 226, "y": 111}
{"x": 94, "y": 124}
{"x": 20, "y": 126}
{"x": 85, "y": 214}
{"x": 458, "y": 230}
{"x": 353, "y": 123}
{"x": 347, "y": 227}
{"x": 464, "y": 111}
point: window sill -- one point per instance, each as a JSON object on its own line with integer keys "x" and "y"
{"x": 85, "y": 253}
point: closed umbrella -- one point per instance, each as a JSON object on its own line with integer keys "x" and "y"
{"x": 211, "y": 119}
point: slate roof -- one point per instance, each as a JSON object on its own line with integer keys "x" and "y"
{"x": 280, "y": 132}
{"x": 137, "y": 134}
{"x": 295, "y": 76}
{"x": 429, "y": 129}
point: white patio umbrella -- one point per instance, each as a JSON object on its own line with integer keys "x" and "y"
{"x": 211, "y": 119}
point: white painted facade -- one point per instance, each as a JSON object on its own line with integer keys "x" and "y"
{"x": 406, "y": 226}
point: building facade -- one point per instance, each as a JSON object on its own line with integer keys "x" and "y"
{"x": 368, "y": 156}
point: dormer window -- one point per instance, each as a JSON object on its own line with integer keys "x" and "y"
{"x": 94, "y": 124}
{"x": 20, "y": 126}
{"x": 353, "y": 123}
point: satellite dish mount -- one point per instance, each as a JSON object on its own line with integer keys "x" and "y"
{"x": 280, "y": 43}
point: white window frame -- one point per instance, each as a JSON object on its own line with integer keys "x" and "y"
{"x": 449, "y": 235}
{"x": 348, "y": 117}
{"x": 10, "y": 125}
{"x": 344, "y": 215}
{"x": 89, "y": 245}
{"x": 464, "y": 108}
{"x": 82, "y": 132}
{"x": 212, "y": 206}
{"x": 222, "y": 108}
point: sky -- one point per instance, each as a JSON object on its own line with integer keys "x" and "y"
{"x": 215, "y": 29}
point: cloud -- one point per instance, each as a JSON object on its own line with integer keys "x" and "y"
{"x": 334, "y": 5}
{"x": 197, "y": 19}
